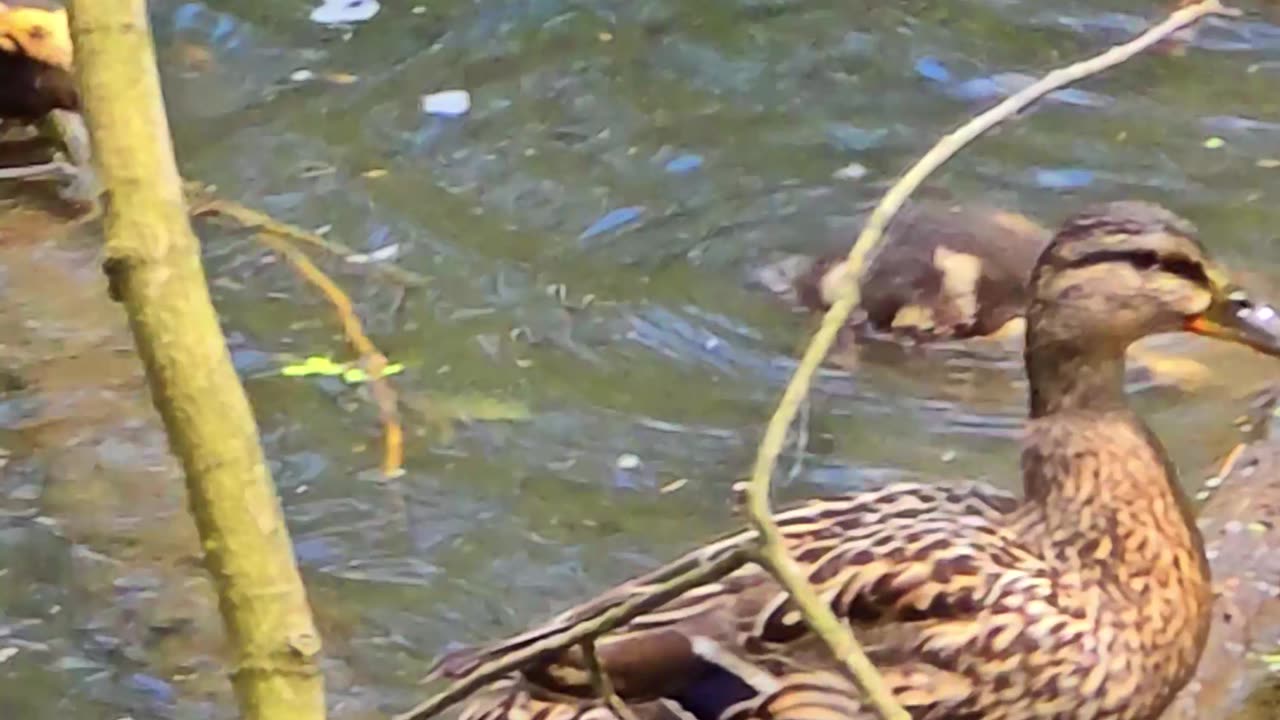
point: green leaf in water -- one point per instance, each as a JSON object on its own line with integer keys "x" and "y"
{"x": 349, "y": 372}
{"x": 314, "y": 365}
{"x": 353, "y": 375}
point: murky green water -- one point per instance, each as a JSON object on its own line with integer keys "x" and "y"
{"x": 724, "y": 123}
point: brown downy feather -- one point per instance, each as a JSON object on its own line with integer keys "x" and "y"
{"x": 1089, "y": 599}
{"x": 944, "y": 272}
{"x": 35, "y": 63}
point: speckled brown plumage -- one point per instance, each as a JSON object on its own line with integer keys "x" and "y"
{"x": 1241, "y": 526}
{"x": 1088, "y": 599}
{"x": 945, "y": 272}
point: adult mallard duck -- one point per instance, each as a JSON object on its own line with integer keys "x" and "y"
{"x": 1089, "y": 598}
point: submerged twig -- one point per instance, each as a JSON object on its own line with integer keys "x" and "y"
{"x": 372, "y": 361}
{"x": 203, "y": 202}
{"x": 280, "y": 237}
{"x": 602, "y": 684}
{"x": 772, "y": 553}
{"x": 677, "y": 580}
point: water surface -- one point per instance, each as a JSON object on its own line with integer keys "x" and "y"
{"x": 639, "y": 158}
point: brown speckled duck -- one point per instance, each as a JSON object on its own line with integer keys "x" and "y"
{"x": 945, "y": 272}
{"x": 1089, "y": 598}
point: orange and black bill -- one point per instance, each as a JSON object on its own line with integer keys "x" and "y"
{"x": 1234, "y": 316}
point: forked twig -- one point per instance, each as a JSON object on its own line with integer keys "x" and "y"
{"x": 280, "y": 237}
{"x": 772, "y": 553}
{"x": 373, "y": 362}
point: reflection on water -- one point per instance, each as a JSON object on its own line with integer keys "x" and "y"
{"x": 586, "y": 230}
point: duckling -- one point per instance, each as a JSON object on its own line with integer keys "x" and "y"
{"x": 1088, "y": 598}
{"x": 37, "y": 89}
{"x": 945, "y": 272}
{"x": 35, "y": 63}
{"x": 1240, "y": 523}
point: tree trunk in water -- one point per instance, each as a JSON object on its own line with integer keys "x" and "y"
{"x": 153, "y": 265}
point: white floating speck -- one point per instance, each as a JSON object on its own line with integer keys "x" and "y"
{"x": 450, "y": 103}
{"x": 673, "y": 486}
{"x": 302, "y": 75}
{"x": 628, "y": 461}
{"x": 6, "y": 653}
{"x": 341, "y": 12}
{"x": 386, "y": 252}
{"x": 852, "y": 171}
{"x": 948, "y": 456}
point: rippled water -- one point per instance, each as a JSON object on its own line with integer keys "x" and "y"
{"x": 646, "y": 155}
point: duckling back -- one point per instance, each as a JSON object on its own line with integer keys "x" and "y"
{"x": 944, "y": 272}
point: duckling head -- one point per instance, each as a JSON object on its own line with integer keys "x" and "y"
{"x": 38, "y": 33}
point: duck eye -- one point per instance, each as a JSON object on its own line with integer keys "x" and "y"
{"x": 1144, "y": 260}
{"x": 1185, "y": 268}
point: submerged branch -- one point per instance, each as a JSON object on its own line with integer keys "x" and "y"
{"x": 372, "y": 361}
{"x": 772, "y": 552}
{"x": 281, "y": 237}
{"x": 204, "y": 202}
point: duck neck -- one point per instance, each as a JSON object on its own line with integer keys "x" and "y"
{"x": 1067, "y": 377}
{"x": 1100, "y": 488}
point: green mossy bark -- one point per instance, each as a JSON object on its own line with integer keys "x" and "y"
{"x": 153, "y": 264}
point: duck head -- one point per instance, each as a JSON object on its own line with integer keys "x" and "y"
{"x": 1121, "y": 271}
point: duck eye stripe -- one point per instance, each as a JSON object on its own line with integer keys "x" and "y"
{"x": 1185, "y": 267}
{"x": 1180, "y": 265}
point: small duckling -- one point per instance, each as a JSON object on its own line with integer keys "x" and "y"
{"x": 35, "y": 63}
{"x": 38, "y": 90}
{"x": 944, "y": 272}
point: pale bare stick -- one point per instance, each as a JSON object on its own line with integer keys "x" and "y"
{"x": 772, "y": 553}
